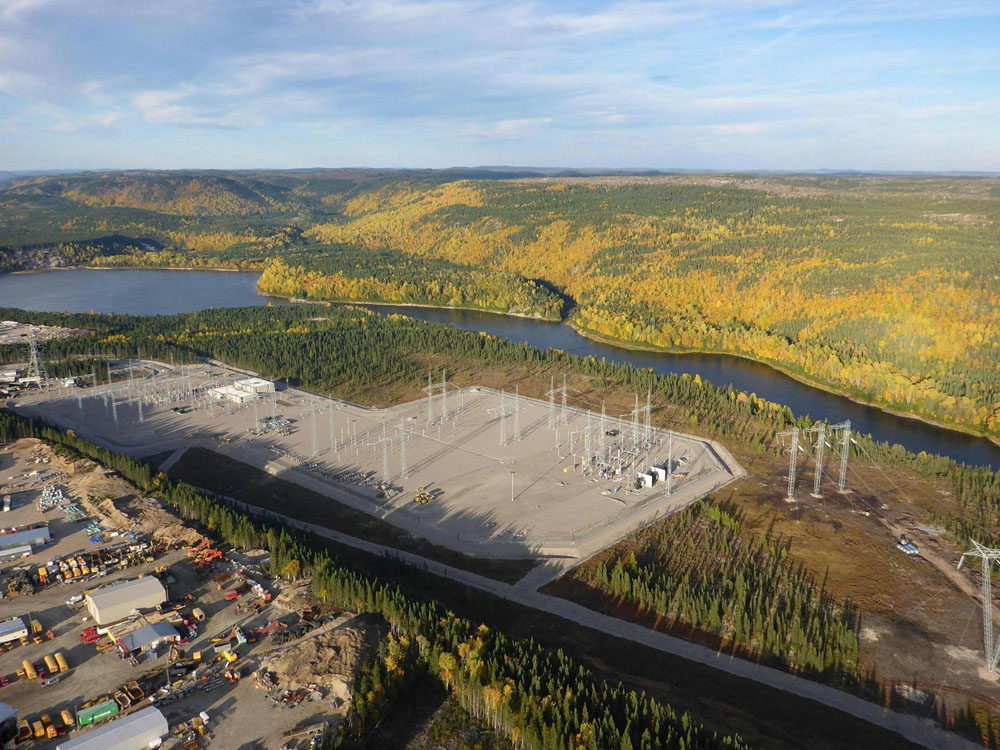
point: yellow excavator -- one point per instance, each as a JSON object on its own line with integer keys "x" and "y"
{"x": 423, "y": 496}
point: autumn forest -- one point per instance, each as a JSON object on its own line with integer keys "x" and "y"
{"x": 886, "y": 289}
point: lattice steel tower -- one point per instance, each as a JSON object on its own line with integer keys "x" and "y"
{"x": 36, "y": 369}
{"x": 988, "y": 556}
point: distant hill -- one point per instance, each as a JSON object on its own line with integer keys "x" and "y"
{"x": 883, "y": 287}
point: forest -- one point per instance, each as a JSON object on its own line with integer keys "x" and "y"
{"x": 700, "y": 569}
{"x": 886, "y": 289}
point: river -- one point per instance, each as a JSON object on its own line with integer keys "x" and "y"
{"x": 148, "y": 292}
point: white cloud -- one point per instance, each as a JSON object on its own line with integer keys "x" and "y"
{"x": 517, "y": 128}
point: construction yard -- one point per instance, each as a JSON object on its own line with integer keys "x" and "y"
{"x": 483, "y": 472}
{"x": 253, "y": 664}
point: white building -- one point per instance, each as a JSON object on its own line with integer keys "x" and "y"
{"x": 12, "y": 630}
{"x": 119, "y": 600}
{"x": 232, "y": 393}
{"x": 255, "y": 385}
{"x": 138, "y": 731}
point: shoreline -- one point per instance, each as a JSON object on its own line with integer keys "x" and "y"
{"x": 797, "y": 377}
{"x": 590, "y": 335}
{"x": 298, "y": 300}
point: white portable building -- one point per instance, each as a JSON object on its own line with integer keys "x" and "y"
{"x": 138, "y": 731}
{"x": 119, "y": 600}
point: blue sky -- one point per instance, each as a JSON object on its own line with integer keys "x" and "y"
{"x": 701, "y": 84}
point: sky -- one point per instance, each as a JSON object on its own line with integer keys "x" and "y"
{"x": 694, "y": 84}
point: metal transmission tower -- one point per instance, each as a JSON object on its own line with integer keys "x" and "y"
{"x": 793, "y": 459}
{"x": 312, "y": 412}
{"x": 820, "y": 431}
{"x": 554, "y": 420}
{"x": 36, "y": 369}
{"x": 517, "y": 414}
{"x": 404, "y": 438}
{"x": 433, "y": 388}
{"x": 501, "y": 413}
{"x": 670, "y": 461}
{"x": 640, "y": 443}
{"x": 844, "y": 428}
{"x": 987, "y": 556}
{"x": 386, "y": 443}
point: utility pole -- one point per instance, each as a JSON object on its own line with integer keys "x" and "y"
{"x": 552, "y": 401}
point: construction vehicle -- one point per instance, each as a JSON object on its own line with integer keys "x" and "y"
{"x": 67, "y": 717}
{"x": 198, "y": 614}
{"x": 208, "y": 557}
{"x": 122, "y": 699}
{"x": 50, "y": 729}
{"x": 203, "y": 545}
{"x": 134, "y": 691}
{"x": 104, "y": 646}
{"x": 38, "y": 729}
{"x": 23, "y": 731}
{"x": 423, "y": 496}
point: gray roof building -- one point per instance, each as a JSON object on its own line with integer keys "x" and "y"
{"x": 148, "y": 635}
{"x": 37, "y": 536}
{"x": 119, "y": 600}
{"x": 135, "y": 732}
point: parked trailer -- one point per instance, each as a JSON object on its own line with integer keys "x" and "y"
{"x": 96, "y": 713}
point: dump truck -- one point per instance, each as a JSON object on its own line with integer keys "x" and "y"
{"x": 134, "y": 691}
{"x": 67, "y": 717}
{"x": 50, "y": 729}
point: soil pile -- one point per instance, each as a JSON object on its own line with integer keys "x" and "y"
{"x": 328, "y": 658}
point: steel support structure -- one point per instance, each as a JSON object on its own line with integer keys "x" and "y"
{"x": 987, "y": 556}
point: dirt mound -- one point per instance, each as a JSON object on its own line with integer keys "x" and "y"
{"x": 329, "y": 657}
{"x": 293, "y": 597}
{"x": 107, "y": 496}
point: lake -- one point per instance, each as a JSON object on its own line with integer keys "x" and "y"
{"x": 149, "y": 292}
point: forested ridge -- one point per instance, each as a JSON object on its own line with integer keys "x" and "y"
{"x": 887, "y": 289}
{"x": 542, "y": 700}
